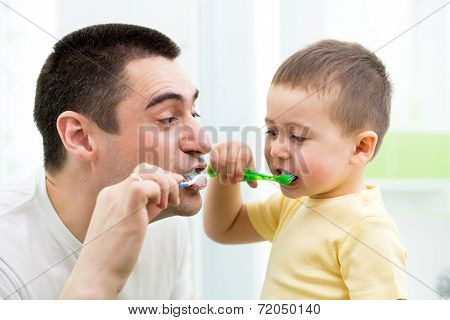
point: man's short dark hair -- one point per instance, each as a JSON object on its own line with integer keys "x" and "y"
{"x": 84, "y": 74}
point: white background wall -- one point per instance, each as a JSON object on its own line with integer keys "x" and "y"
{"x": 230, "y": 50}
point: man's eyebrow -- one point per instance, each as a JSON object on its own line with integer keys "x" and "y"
{"x": 168, "y": 96}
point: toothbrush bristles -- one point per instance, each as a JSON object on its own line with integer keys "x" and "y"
{"x": 198, "y": 182}
{"x": 286, "y": 178}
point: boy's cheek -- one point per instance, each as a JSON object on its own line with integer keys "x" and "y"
{"x": 309, "y": 163}
{"x": 317, "y": 169}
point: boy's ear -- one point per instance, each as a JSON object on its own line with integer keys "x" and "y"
{"x": 365, "y": 144}
{"x": 75, "y": 132}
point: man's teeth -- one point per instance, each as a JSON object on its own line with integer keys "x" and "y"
{"x": 191, "y": 175}
{"x": 200, "y": 183}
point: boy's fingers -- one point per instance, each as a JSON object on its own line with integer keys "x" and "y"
{"x": 222, "y": 161}
{"x": 231, "y": 163}
{"x": 239, "y": 171}
{"x": 214, "y": 159}
{"x": 251, "y": 162}
{"x": 253, "y": 184}
{"x": 222, "y": 165}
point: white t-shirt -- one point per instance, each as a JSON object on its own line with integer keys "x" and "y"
{"x": 38, "y": 252}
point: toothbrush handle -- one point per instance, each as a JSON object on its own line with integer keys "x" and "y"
{"x": 211, "y": 172}
{"x": 249, "y": 175}
{"x": 184, "y": 184}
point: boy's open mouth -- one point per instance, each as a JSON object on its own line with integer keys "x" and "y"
{"x": 295, "y": 179}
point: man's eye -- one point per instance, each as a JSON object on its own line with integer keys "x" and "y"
{"x": 169, "y": 120}
{"x": 298, "y": 138}
{"x": 271, "y": 133}
{"x": 195, "y": 115}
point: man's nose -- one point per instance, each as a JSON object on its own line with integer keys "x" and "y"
{"x": 194, "y": 139}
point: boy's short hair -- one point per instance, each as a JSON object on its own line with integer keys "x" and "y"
{"x": 353, "y": 78}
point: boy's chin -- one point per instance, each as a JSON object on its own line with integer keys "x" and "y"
{"x": 292, "y": 193}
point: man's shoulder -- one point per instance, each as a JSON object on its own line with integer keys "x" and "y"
{"x": 19, "y": 218}
{"x": 17, "y": 205}
{"x": 16, "y": 196}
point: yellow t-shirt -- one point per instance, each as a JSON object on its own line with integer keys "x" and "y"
{"x": 346, "y": 247}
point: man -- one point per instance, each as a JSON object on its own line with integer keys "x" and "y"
{"x": 117, "y": 117}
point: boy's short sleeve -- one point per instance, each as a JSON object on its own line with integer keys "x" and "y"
{"x": 265, "y": 215}
{"x": 373, "y": 261}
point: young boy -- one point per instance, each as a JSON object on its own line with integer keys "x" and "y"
{"x": 328, "y": 109}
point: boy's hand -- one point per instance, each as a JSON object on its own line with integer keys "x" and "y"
{"x": 229, "y": 159}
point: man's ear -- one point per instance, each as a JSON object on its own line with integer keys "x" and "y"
{"x": 75, "y": 132}
{"x": 365, "y": 144}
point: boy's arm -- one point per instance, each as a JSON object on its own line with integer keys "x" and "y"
{"x": 225, "y": 215}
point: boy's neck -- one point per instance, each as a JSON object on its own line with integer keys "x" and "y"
{"x": 351, "y": 185}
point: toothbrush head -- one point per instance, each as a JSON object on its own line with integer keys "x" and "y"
{"x": 285, "y": 178}
{"x": 197, "y": 182}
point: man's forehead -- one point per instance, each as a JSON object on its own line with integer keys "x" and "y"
{"x": 150, "y": 75}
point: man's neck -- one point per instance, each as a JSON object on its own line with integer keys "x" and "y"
{"x": 73, "y": 197}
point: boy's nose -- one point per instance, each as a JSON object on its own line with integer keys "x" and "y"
{"x": 279, "y": 150}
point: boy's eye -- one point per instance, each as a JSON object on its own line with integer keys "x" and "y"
{"x": 195, "y": 115}
{"x": 169, "y": 120}
{"x": 298, "y": 138}
{"x": 271, "y": 133}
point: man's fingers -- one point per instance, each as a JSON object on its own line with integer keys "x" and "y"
{"x": 143, "y": 192}
{"x": 167, "y": 181}
{"x": 178, "y": 177}
{"x": 174, "y": 191}
{"x": 152, "y": 191}
{"x": 164, "y": 187}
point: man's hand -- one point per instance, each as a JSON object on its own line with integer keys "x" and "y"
{"x": 117, "y": 230}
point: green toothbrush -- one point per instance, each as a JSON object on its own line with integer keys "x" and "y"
{"x": 250, "y": 175}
